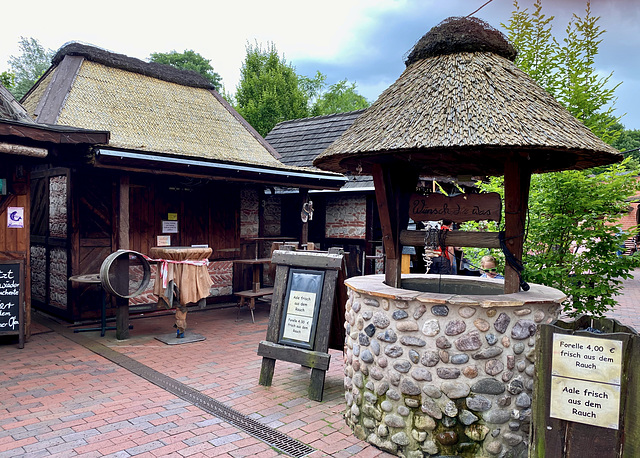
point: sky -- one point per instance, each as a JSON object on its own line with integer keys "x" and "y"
{"x": 364, "y": 41}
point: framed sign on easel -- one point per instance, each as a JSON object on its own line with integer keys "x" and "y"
{"x": 301, "y": 310}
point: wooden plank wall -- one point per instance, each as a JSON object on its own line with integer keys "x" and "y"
{"x": 207, "y": 214}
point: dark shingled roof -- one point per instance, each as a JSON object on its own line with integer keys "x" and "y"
{"x": 299, "y": 141}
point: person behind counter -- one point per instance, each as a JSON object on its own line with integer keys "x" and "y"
{"x": 488, "y": 265}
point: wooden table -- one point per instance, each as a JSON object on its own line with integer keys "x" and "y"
{"x": 256, "y": 291}
{"x": 94, "y": 279}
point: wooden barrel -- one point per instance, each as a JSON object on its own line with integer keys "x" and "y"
{"x": 119, "y": 279}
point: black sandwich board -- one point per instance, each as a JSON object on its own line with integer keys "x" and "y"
{"x": 300, "y": 318}
{"x": 11, "y": 299}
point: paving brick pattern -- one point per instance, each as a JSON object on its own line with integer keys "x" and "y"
{"x": 57, "y": 398}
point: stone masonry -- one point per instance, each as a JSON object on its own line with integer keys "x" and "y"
{"x": 442, "y": 374}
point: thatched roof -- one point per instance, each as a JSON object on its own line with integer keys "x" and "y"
{"x": 462, "y": 107}
{"x": 156, "y": 113}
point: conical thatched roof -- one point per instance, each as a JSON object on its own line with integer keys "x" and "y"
{"x": 462, "y": 107}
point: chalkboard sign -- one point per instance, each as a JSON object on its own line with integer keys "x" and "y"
{"x": 11, "y": 297}
{"x": 302, "y": 304}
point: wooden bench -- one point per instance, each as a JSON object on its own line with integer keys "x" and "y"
{"x": 252, "y": 296}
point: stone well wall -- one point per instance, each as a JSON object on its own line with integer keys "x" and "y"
{"x": 442, "y": 374}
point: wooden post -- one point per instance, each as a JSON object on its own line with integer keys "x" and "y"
{"x": 122, "y": 313}
{"x": 304, "y": 235}
{"x": 517, "y": 178}
{"x": 393, "y": 187}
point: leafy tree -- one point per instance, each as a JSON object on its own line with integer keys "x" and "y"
{"x": 269, "y": 90}
{"x": 629, "y": 140}
{"x": 7, "y": 79}
{"x": 575, "y": 240}
{"x": 573, "y": 237}
{"x": 189, "y": 60}
{"x": 341, "y": 97}
{"x": 33, "y": 61}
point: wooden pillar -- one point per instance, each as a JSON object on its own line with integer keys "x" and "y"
{"x": 304, "y": 233}
{"x": 517, "y": 178}
{"x": 122, "y": 313}
{"x": 393, "y": 186}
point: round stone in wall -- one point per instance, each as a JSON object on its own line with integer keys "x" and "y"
{"x": 406, "y": 326}
{"x": 455, "y": 390}
{"x": 399, "y": 315}
{"x": 431, "y": 328}
{"x": 455, "y": 327}
{"x": 478, "y": 403}
{"x": 482, "y": 325}
{"x": 419, "y": 311}
{"x": 443, "y": 343}
{"x": 502, "y": 323}
{"x": 440, "y": 310}
{"x": 448, "y": 373}
{"x": 466, "y": 312}
{"x": 488, "y": 385}
{"x": 469, "y": 342}
{"x": 420, "y": 374}
{"x": 388, "y": 335}
{"x": 380, "y": 320}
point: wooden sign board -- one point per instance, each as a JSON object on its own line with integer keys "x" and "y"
{"x": 586, "y": 390}
{"x": 11, "y": 299}
{"x": 460, "y": 208}
{"x": 302, "y": 306}
{"x": 301, "y": 311}
{"x": 586, "y": 374}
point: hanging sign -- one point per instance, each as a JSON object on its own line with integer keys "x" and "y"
{"x": 586, "y": 374}
{"x": 460, "y": 208}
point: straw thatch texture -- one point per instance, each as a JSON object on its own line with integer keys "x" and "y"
{"x": 148, "y": 114}
{"x": 31, "y": 99}
{"x": 453, "y": 113}
{"x": 463, "y": 114}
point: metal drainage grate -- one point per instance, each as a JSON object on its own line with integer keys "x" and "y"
{"x": 266, "y": 434}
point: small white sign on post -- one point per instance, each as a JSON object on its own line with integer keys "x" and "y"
{"x": 15, "y": 217}
{"x": 585, "y": 380}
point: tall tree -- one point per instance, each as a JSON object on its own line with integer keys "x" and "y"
{"x": 574, "y": 237}
{"x": 341, "y": 97}
{"x": 29, "y": 66}
{"x": 189, "y": 60}
{"x": 269, "y": 90}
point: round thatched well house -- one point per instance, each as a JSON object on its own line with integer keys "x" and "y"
{"x": 444, "y": 365}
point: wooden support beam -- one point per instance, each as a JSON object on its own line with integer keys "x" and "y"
{"x": 122, "y": 312}
{"x": 454, "y": 238}
{"x": 517, "y": 178}
{"x": 393, "y": 187}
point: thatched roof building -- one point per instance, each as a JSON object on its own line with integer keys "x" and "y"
{"x": 462, "y": 107}
{"x": 159, "y": 117}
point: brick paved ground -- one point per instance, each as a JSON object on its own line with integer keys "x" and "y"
{"x": 57, "y": 398}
